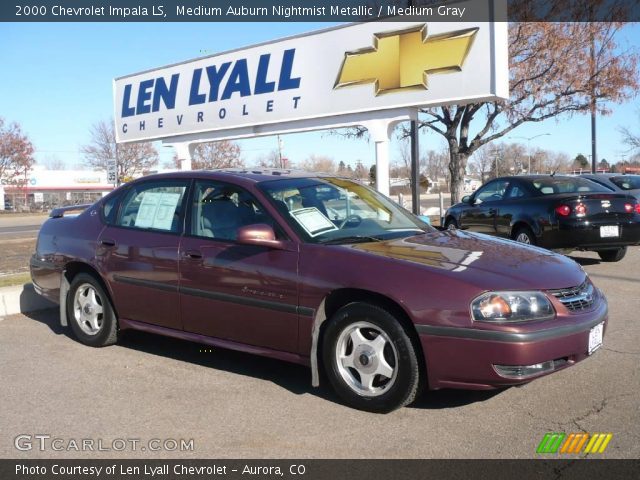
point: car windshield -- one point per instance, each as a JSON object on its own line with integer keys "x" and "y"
{"x": 337, "y": 210}
{"x": 627, "y": 182}
{"x": 551, "y": 185}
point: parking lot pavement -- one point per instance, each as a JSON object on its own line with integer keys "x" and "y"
{"x": 239, "y": 406}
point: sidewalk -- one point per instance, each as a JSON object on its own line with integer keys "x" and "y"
{"x": 21, "y": 299}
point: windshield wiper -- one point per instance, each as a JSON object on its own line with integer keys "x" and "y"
{"x": 350, "y": 239}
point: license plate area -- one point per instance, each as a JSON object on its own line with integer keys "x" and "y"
{"x": 595, "y": 338}
{"x": 609, "y": 231}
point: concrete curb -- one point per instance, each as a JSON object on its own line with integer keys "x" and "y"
{"x": 22, "y": 299}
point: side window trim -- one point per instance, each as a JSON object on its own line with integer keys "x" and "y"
{"x": 118, "y": 196}
{"x": 151, "y": 184}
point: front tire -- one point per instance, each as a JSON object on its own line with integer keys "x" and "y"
{"x": 614, "y": 255}
{"x": 370, "y": 359}
{"x": 90, "y": 313}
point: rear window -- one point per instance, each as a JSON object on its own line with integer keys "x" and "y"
{"x": 551, "y": 186}
{"x": 627, "y": 182}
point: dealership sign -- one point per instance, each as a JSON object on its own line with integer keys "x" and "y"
{"x": 366, "y": 67}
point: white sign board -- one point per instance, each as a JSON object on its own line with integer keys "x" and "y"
{"x": 361, "y": 67}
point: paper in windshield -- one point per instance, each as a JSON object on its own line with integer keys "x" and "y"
{"x": 157, "y": 210}
{"x": 313, "y": 221}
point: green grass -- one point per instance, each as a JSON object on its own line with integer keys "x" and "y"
{"x": 16, "y": 279}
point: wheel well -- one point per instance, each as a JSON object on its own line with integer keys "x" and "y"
{"x": 74, "y": 268}
{"x": 518, "y": 225}
{"x": 343, "y": 296}
{"x": 450, "y": 218}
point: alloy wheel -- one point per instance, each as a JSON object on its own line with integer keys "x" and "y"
{"x": 366, "y": 359}
{"x": 88, "y": 309}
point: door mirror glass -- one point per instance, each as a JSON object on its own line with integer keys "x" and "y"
{"x": 466, "y": 199}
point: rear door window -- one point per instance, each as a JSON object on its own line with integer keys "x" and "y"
{"x": 154, "y": 206}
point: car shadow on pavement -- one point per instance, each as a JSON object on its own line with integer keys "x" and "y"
{"x": 584, "y": 261}
{"x": 294, "y": 378}
{"x": 451, "y": 398}
{"x": 51, "y": 319}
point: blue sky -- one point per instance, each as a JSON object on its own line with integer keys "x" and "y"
{"x": 56, "y": 82}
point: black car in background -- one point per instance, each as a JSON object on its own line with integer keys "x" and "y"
{"x": 617, "y": 182}
{"x": 554, "y": 212}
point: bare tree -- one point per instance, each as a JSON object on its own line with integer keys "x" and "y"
{"x": 551, "y": 74}
{"x": 53, "y": 162}
{"x": 212, "y": 155}
{"x": 631, "y": 139}
{"x": 16, "y": 153}
{"x": 480, "y": 163}
{"x": 318, "y": 163}
{"x": 435, "y": 165}
{"x": 402, "y": 162}
{"x": 273, "y": 160}
{"x": 133, "y": 158}
{"x": 361, "y": 172}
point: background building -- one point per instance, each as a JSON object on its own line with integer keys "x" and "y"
{"x": 44, "y": 189}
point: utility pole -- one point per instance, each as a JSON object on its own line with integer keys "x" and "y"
{"x": 280, "y": 146}
{"x": 415, "y": 168}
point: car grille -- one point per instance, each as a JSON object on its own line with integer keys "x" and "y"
{"x": 576, "y": 299}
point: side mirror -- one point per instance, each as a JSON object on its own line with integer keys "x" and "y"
{"x": 467, "y": 199}
{"x": 259, "y": 234}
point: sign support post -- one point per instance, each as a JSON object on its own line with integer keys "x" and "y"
{"x": 184, "y": 152}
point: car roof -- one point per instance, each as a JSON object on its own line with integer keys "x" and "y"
{"x": 531, "y": 178}
{"x": 602, "y": 175}
{"x": 239, "y": 175}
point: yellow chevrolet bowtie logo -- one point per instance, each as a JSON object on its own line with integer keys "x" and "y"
{"x": 401, "y": 60}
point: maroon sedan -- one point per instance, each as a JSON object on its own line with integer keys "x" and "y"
{"x": 320, "y": 271}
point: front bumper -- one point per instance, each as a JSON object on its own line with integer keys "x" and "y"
{"x": 465, "y": 357}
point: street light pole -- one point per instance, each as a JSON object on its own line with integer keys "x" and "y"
{"x": 528, "y": 139}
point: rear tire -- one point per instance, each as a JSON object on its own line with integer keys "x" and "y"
{"x": 524, "y": 235}
{"x": 90, "y": 313}
{"x": 370, "y": 359}
{"x": 613, "y": 255}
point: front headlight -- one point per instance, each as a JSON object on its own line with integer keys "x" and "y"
{"x": 509, "y": 307}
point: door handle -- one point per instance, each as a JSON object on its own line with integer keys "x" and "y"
{"x": 192, "y": 254}
{"x": 107, "y": 242}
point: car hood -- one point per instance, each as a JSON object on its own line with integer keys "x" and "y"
{"x": 482, "y": 259}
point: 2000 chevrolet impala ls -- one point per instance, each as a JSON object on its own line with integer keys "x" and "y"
{"x": 320, "y": 271}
